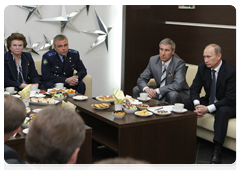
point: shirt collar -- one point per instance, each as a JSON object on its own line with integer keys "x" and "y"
{"x": 218, "y": 67}
{"x": 167, "y": 63}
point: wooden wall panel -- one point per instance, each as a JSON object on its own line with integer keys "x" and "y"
{"x": 145, "y": 28}
{"x": 191, "y": 41}
{"x": 211, "y": 14}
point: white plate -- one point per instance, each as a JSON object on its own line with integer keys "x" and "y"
{"x": 162, "y": 114}
{"x": 80, "y": 97}
{"x": 183, "y": 111}
{"x": 36, "y": 110}
{"x": 148, "y": 98}
{"x": 25, "y": 131}
{"x": 150, "y": 114}
{"x": 39, "y": 95}
{"x": 37, "y": 103}
{"x": 59, "y": 99}
{"x": 16, "y": 95}
{"x": 48, "y": 91}
{"x": 104, "y": 100}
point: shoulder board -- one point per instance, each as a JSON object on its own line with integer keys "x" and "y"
{"x": 51, "y": 54}
{"x": 73, "y": 51}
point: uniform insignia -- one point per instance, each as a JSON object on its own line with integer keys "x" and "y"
{"x": 73, "y": 51}
{"x": 57, "y": 67}
{"x": 51, "y": 54}
{"x": 45, "y": 61}
{"x": 72, "y": 65}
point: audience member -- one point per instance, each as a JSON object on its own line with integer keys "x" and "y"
{"x": 169, "y": 72}
{"x": 13, "y": 119}
{"x": 218, "y": 78}
{"x": 121, "y": 164}
{"x": 55, "y": 136}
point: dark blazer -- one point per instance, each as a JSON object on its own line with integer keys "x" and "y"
{"x": 53, "y": 70}
{"x": 9, "y": 153}
{"x": 29, "y": 71}
{"x": 13, "y": 164}
{"x": 176, "y": 75}
{"x": 225, "y": 86}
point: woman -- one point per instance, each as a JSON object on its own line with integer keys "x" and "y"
{"x": 19, "y": 67}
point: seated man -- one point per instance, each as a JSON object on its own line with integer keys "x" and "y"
{"x": 218, "y": 78}
{"x": 59, "y": 63}
{"x": 169, "y": 72}
{"x": 55, "y": 136}
{"x": 13, "y": 119}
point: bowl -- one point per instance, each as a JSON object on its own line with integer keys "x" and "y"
{"x": 142, "y": 106}
{"x": 129, "y": 110}
{"x": 118, "y": 115}
{"x": 71, "y": 95}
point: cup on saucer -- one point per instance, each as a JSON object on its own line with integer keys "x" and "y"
{"x": 59, "y": 85}
{"x": 178, "y": 107}
{"x": 10, "y": 89}
{"x": 143, "y": 96}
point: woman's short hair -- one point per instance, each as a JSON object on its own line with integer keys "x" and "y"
{"x": 14, "y": 113}
{"x": 168, "y": 41}
{"x": 55, "y": 133}
{"x": 16, "y": 36}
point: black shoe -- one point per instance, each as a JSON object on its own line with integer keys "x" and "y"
{"x": 216, "y": 158}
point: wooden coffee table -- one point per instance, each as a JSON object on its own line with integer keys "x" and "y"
{"x": 157, "y": 139}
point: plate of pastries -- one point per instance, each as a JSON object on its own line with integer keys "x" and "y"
{"x": 43, "y": 101}
{"x": 100, "y": 106}
{"x": 105, "y": 98}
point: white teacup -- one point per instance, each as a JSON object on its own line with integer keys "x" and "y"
{"x": 143, "y": 96}
{"x": 34, "y": 87}
{"x": 178, "y": 107}
{"x": 10, "y": 89}
{"x": 59, "y": 85}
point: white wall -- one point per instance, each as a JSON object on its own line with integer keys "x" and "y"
{"x": 104, "y": 66}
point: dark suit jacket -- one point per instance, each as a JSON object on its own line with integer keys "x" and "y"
{"x": 225, "y": 86}
{"x": 13, "y": 164}
{"x": 29, "y": 72}
{"x": 175, "y": 79}
{"x": 9, "y": 153}
{"x": 52, "y": 66}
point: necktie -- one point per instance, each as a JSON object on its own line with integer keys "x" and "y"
{"x": 20, "y": 75}
{"x": 64, "y": 59}
{"x": 213, "y": 88}
{"x": 163, "y": 78}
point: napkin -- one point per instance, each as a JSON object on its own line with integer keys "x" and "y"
{"x": 118, "y": 96}
{"x": 69, "y": 105}
{"x": 25, "y": 93}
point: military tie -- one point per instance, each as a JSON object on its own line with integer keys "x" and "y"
{"x": 64, "y": 59}
{"x": 213, "y": 88}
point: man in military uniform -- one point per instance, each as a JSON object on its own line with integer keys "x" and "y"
{"x": 59, "y": 64}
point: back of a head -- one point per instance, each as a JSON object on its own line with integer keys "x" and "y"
{"x": 121, "y": 164}
{"x": 14, "y": 113}
{"x": 54, "y": 135}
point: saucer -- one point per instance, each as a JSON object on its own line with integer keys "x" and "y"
{"x": 183, "y": 111}
{"x": 144, "y": 100}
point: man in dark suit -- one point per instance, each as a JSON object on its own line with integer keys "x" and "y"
{"x": 169, "y": 72}
{"x": 13, "y": 119}
{"x": 218, "y": 78}
{"x": 59, "y": 63}
{"x": 53, "y": 141}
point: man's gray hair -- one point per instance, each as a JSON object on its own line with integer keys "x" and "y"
{"x": 168, "y": 41}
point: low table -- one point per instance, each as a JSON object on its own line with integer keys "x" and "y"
{"x": 157, "y": 139}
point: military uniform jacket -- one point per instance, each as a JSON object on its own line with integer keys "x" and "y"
{"x": 54, "y": 71}
{"x": 30, "y": 74}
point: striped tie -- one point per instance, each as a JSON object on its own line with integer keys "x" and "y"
{"x": 163, "y": 78}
